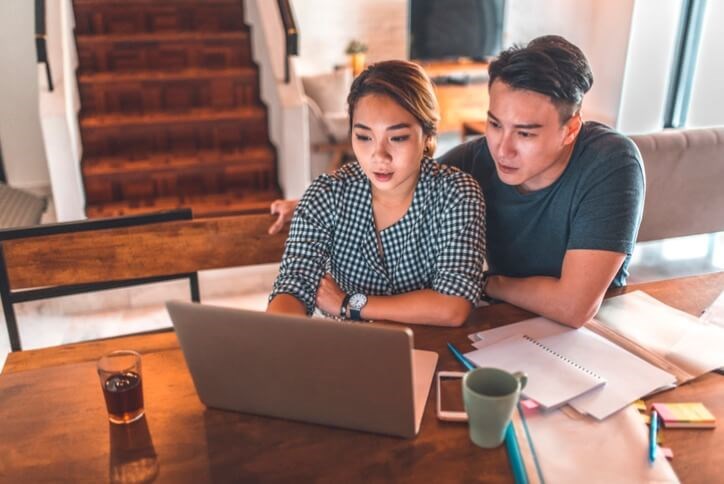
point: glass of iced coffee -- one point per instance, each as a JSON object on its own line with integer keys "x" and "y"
{"x": 120, "y": 375}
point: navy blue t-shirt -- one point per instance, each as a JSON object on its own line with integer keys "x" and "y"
{"x": 596, "y": 203}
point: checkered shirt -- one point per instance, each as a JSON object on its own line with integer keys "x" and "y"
{"x": 438, "y": 244}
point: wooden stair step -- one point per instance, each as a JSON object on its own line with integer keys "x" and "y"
{"x": 210, "y": 205}
{"x": 193, "y": 116}
{"x": 163, "y": 51}
{"x": 166, "y": 76}
{"x": 104, "y": 16}
{"x": 250, "y": 159}
{"x": 147, "y": 92}
{"x": 160, "y": 37}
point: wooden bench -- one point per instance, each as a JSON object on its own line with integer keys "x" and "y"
{"x": 62, "y": 259}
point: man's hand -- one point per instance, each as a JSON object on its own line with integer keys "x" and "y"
{"x": 329, "y": 295}
{"x": 285, "y": 210}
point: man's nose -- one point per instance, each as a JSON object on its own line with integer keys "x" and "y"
{"x": 506, "y": 148}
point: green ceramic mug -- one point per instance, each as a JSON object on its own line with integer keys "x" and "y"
{"x": 490, "y": 395}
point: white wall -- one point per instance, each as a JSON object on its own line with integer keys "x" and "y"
{"x": 327, "y": 26}
{"x": 20, "y": 135}
{"x": 600, "y": 29}
{"x": 648, "y": 65}
{"x": 707, "y": 99}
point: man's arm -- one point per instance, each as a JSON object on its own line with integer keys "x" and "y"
{"x": 574, "y": 298}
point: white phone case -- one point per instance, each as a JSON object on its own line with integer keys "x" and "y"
{"x": 445, "y": 415}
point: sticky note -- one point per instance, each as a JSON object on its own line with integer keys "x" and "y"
{"x": 640, "y": 405}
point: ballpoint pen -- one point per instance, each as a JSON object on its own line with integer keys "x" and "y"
{"x": 460, "y": 357}
{"x": 653, "y": 430}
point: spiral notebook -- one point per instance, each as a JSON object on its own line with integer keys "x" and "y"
{"x": 553, "y": 379}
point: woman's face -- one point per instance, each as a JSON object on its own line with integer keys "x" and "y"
{"x": 389, "y": 144}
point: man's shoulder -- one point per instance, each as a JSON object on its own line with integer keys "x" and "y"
{"x": 466, "y": 154}
{"x": 604, "y": 144}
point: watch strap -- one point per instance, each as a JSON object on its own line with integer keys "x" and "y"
{"x": 343, "y": 308}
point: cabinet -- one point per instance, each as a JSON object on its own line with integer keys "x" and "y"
{"x": 462, "y": 92}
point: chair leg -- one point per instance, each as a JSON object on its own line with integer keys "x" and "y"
{"x": 194, "y": 281}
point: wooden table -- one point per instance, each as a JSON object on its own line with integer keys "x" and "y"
{"x": 53, "y": 422}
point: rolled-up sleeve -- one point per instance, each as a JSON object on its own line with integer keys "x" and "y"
{"x": 308, "y": 247}
{"x": 459, "y": 265}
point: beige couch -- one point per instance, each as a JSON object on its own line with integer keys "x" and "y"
{"x": 684, "y": 182}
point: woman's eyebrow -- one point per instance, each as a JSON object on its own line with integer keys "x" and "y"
{"x": 389, "y": 128}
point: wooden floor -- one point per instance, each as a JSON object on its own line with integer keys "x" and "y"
{"x": 170, "y": 108}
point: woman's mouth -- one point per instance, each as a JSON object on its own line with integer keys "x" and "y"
{"x": 382, "y": 177}
{"x": 506, "y": 169}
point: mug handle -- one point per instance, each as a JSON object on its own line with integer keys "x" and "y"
{"x": 521, "y": 377}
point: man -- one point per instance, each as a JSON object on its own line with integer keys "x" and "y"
{"x": 564, "y": 198}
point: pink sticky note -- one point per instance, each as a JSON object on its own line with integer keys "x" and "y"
{"x": 529, "y": 404}
{"x": 667, "y": 452}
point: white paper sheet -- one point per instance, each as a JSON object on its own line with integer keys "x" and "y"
{"x": 692, "y": 344}
{"x": 714, "y": 314}
{"x": 585, "y": 450}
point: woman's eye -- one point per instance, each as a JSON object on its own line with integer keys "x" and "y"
{"x": 362, "y": 137}
{"x": 398, "y": 139}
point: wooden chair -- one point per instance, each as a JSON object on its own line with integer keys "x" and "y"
{"x": 62, "y": 259}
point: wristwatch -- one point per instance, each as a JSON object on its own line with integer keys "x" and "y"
{"x": 356, "y": 303}
{"x": 343, "y": 308}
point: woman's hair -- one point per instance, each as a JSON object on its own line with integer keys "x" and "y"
{"x": 408, "y": 85}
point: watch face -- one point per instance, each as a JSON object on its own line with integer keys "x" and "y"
{"x": 357, "y": 301}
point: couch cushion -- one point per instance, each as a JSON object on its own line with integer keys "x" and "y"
{"x": 684, "y": 182}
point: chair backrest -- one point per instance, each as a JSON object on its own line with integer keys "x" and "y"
{"x": 60, "y": 259}
{"x": 684, "y": 174}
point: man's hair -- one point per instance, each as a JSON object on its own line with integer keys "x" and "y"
{"x": 549, "y": 65}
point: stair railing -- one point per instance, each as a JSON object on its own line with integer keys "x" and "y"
{"x": 41, "y": 44}
{"x": 291, "y": 34}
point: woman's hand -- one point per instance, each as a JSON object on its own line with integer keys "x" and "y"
{"x": 329, "y": 295}
{"x": 285, "y": 210}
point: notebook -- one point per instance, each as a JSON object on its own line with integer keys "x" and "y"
{"x": 540, "y": 363}
{"x": 627, "y": 376}
{"x": 685, "y": 415}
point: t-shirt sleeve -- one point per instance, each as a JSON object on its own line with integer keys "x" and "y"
{"x": 308, "y": 245}
{"x": 459, "y": 265}
{"x": 609, "y": 212}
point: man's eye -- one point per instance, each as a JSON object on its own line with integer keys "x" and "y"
{"x": 525, "y": 134}
{"x": 361, "y": 137}
{"x": 399, "y": 139}
{"x": 493, "y": 124}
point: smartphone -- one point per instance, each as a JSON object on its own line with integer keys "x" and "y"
{"x": 450, "y": 405}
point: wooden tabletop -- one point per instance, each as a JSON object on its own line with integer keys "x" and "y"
{"x": 54, "y": 425}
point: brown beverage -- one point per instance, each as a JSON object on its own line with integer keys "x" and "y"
{"x": 124, "y": 397}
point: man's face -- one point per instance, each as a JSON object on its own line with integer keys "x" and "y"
{"x": 530, "y": 147}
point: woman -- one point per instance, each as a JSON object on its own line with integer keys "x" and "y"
{"x": 393, "y": 235}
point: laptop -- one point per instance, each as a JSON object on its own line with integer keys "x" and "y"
{"x": 357, "y": 376}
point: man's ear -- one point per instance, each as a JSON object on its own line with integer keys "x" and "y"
{"x": 573, "y": 127}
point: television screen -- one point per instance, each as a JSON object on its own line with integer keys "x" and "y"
{"x": 444, "y": 29}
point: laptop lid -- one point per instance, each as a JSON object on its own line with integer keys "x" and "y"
{"x": 357, "y": 376}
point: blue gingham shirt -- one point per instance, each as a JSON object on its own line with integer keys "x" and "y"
{"x": 438, "y": 244}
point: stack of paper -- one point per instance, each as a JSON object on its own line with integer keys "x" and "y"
{"x": 627, "y": 376}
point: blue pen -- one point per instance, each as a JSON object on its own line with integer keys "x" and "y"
{"x": 653, "y": 431}
{"x": 460, "y": 357}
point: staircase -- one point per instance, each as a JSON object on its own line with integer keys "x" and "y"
{"x": 170, "y": 109}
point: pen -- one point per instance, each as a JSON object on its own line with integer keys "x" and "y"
{"x": 460, "y": 357}
{"x": 653, "y": 430}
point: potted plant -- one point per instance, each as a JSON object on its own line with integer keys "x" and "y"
{"x": 356, "y": 51}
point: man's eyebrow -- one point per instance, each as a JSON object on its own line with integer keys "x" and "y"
{"x": 389, "y": 128}
{"x": 518, "y": 126}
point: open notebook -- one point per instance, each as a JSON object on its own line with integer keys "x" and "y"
{"x": 539, "y": 362}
